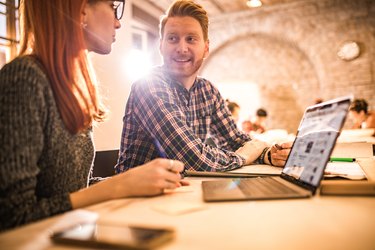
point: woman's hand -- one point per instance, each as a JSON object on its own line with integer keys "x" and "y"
{"x": 145, "y": 180}
{"x": 150, "y": 179}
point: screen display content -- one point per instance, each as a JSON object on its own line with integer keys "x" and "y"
{"x": 319, "y": 128}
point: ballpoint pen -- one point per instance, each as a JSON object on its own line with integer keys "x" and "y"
{"x": 278, "y": 146}
{"x": 163, "y": 154}
{"x": 160, "y": 149}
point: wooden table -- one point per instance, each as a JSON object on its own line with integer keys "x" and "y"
{"x": 321, "y": 222}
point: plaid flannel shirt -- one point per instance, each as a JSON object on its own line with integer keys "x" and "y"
{"x": 181, "y": 120}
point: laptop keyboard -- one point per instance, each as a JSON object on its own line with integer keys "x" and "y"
{"x": 263, "y": 186}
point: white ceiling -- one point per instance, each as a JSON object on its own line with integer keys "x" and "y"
{"x": 217, "y": 7}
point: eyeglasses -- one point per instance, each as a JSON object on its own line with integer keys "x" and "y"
{"x": 118, "y": 7}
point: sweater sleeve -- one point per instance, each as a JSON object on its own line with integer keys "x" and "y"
{"x": 22, "y": 117}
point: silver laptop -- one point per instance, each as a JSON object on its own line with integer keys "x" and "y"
{"x": 316, "y": 136}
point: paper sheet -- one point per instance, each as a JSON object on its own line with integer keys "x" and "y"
{"x": 178, "y": 207}
{"x": 348, "y": 170}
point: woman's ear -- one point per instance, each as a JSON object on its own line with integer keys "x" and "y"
{"x": 84, "y": 14}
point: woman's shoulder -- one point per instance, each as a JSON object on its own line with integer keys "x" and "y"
{"x": 24, "y": 61}
{"x": 24, "y": 70}
{"x": 23, "y": 65}
{"x": 24, "y": 79}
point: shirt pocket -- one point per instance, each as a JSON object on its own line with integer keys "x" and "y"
{"x": 203, "y": 122}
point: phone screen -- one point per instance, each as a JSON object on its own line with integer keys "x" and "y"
{"x": 113, "y": 235}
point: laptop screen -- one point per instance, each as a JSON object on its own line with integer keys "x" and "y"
{"x": 315, "y": 140}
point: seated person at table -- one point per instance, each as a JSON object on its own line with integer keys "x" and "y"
{"x": 361, "y": 116}
{"x": 47, "y": 114}
{"x": 234, "y": 109}
{"x": 177, "y": 109}
{"x": 258, "y": 125}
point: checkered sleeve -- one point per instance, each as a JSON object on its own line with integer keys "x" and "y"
{"x": 156, "y": 111}
{"x": 223, "y": 127}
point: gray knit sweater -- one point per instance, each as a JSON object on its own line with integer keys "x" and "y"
{"x": 40, "y": 161}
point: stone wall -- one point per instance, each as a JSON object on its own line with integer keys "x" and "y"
{"x": 290, "y": 52}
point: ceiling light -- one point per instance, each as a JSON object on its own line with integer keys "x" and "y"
{"x": 254, "y": 3}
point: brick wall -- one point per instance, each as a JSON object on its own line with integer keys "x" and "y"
{"x": 290, "y": 53}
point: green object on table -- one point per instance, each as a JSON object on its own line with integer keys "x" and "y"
{"x": 342, "y": 159}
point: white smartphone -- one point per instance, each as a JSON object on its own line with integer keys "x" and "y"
{"x": 114, "y": 236}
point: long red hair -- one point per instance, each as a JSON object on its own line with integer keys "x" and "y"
{"x": 51, "y": 30}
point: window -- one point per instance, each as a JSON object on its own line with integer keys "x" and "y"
{"x": 138, "y": 61}
{"x": 144, "y": 52}
{"x": 9, "y": 30}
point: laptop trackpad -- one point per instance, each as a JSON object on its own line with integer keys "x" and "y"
{"x": 228, "y": 190}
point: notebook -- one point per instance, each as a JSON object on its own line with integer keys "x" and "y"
{"x": 304, "y": 168}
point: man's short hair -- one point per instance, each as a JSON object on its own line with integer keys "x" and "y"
{"x": 358, "y": 105}
{"x": 183, "y": 8}
{"x": 261, "y": 113}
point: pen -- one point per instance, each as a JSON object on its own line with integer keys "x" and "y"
{"x": 343, "y": 159}
{"x": 278, "y": 146}
{"x": 160, "y": 149}
{"x": 163, "y": 154}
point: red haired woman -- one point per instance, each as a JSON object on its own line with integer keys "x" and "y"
{"x": 48, "y": 105}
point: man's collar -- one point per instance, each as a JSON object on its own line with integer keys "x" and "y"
{"x": 172, "y": 80}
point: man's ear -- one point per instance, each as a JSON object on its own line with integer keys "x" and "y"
{"x": 160, "y": 46}
{"x": 206, "y": 49}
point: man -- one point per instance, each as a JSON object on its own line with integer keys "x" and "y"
{"x": 171, "y": 112}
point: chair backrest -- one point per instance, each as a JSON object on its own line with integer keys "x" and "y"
{"x": 104, "y": 163}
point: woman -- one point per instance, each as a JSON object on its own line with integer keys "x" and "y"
{"x": 48, "y": 104}
{"x": 361, "y": 116}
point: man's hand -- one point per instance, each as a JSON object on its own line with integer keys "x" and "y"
{"x": 279, "y": 154}
{"x": 251, "y": 150}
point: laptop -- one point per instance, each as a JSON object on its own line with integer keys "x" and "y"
{"x": 304, "y": 168}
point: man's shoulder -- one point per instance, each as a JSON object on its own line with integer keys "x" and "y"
{"x": 201, "y": 79}
{"x": 205, "y": 83}
{"x": 208, "y": 88}
{"x": 155, "y": 78}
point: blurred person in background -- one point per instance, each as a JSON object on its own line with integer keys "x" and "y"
{"x": 258, "y": 124}
{"x": 234, "y": 109}
{"x": 360, "y": 115}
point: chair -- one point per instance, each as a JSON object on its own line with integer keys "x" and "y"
{"x": 104, "y": 163}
